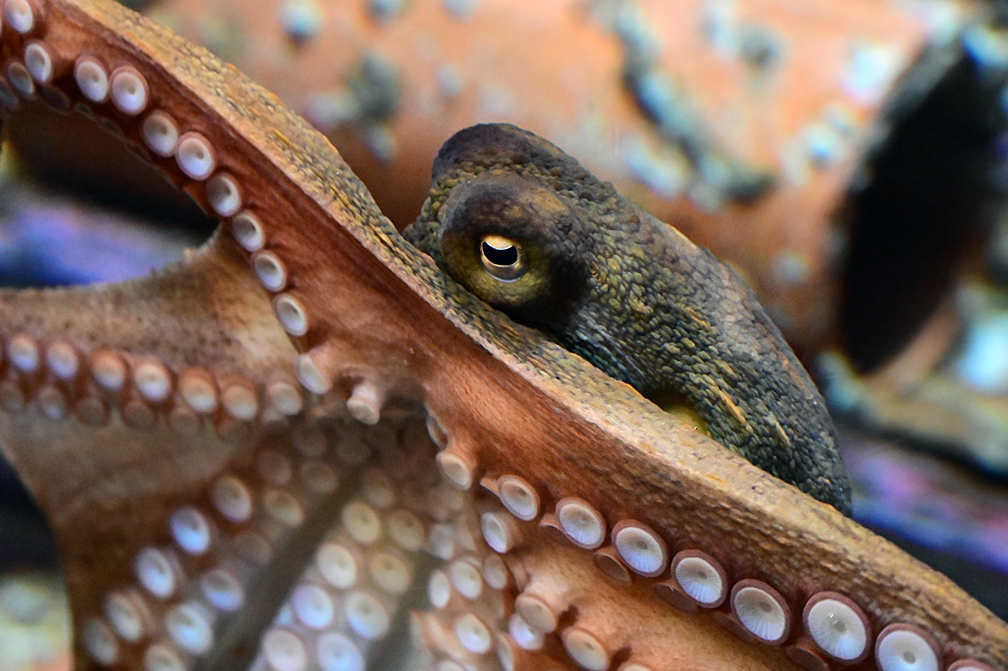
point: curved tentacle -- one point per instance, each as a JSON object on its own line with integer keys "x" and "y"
{"x": 606, "y": 534}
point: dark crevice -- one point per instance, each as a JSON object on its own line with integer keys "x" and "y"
{"x": 84, "y": 207}
{"x": 921, "y": 213}
{"x": 28, "y": 540}
{"x": 238, "y": 642}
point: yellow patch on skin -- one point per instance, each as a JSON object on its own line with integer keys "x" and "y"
{"x": 639, "y": 307}
{"x": 735, "y": 411}
{"x": 547, "y": 204}
{"x": 688, "y": 415}
{"x": 728, "y": 370}
{"x": 698, "y": 320}
{"x": 785, "y": 440}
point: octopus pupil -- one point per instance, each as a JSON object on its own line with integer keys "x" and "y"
{"x": 500, "y": 256}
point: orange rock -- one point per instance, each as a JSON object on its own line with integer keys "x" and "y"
{"x": 666, "y": 99}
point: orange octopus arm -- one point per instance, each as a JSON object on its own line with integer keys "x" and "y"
{"x": 211, "y": 513}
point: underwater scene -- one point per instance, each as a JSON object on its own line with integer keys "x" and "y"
{"x": 260, "y": 410}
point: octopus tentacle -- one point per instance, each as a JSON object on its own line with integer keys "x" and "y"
{"x": 206, "y": 503}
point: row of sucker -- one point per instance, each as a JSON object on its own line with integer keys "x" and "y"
{"x": 831, "y": 630}
{"x": 57, "y": 375}
{"x": 827, "y": 630}
{"x": 345, "y": 601}
{"x": 198, "y": 161}
{"x": 342, "y": 642}
{"x": 349, "y": 598}
{"x": 470, "y": 596}
{"x": 64, "y": 380}
{"x": 186, "y": 591}
{"x": 124, "y": 101}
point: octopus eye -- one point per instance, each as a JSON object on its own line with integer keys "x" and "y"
{"x": 502, "y": 258}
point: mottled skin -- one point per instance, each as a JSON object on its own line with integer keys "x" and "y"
{"x": 630, "y": 294}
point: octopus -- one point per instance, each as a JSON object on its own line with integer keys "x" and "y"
{"x": 306, "y": 447}
{"x": 527, "y": 229}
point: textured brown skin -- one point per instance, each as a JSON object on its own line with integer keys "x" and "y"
{"x": 631, "y": 295}
{"x": 512, "y": 401}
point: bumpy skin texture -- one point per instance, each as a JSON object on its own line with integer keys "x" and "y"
{"x": 630, "y": 294}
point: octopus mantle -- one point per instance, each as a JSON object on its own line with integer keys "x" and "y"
{"x": 304, "y": 439}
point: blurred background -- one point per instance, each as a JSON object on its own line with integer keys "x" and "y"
{"x": 849, "y": 158}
